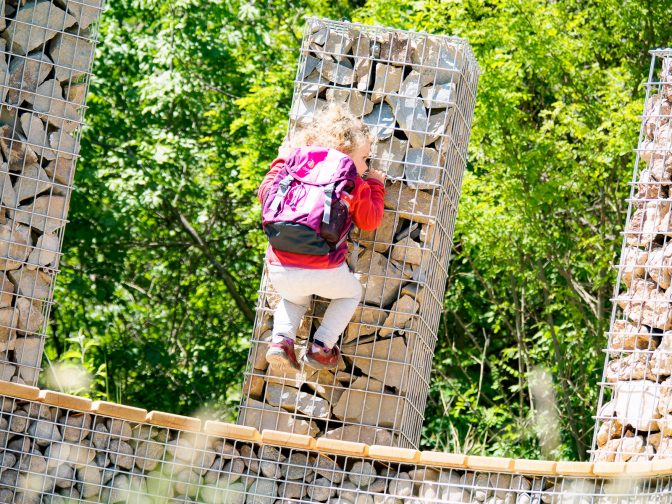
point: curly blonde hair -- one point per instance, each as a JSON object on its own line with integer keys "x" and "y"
{"x": 335, "y": 128}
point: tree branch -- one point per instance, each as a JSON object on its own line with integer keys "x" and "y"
{"x": 229, "y": 280}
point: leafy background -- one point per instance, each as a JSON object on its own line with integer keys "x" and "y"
{"x": 189, "y": 102}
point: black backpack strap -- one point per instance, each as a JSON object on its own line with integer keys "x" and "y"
{"x": 328, "y": 195}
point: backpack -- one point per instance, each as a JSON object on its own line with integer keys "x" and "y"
{"x": 306, "y": 209}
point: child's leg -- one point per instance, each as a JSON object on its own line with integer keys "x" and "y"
{"x": 288, "y": 315}
{"x": 345, "y": 291}
{"x": 293, "y": 305}
{"x": 281, "y": 355}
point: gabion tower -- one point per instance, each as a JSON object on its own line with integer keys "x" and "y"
{"x": 417, "y": 93}
{"x": 634, "y": 416}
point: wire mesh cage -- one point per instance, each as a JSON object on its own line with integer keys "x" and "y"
{"x": 57, "y": 454}
{"x": 46, "y": 50}
{"x": 416, "y": 92}
{"x": 634, "y": 416}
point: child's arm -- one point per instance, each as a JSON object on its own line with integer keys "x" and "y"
{"x": 368, "y": 203}
{"x": 266, "y": 184}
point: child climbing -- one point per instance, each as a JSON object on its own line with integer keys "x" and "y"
{"x": 311, "y": 196}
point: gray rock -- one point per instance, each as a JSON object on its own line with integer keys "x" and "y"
{"x": 44, "y": 432}
{"x": 365, "y": 402}
{"x": 6, "y": 372}
{"x": 340, "y": 73}
{"x": 378, "y": 486}
{"x": 61, "y": 170}
{"x": 36, "y": 135}
{"x": 45, "y": 253}
{"x": 15, "y": 150}
{"x": 387, "y": 81}
{"x": 7, "y": 460}
{"x": 48, "y": 101}
{"x": 57, "y": 453}
{"x": 291, "y": 490}
{"x": 362, "y": 473}
{"x": 410, "y": 204}
{"x": 420, "y": 128}
{"x": 387, "y": 156}
{"x": 8, "y": 321}
{"x": 297, "y": 467}
{"x": 8, "y": 198}
{"x": 401, "y": 486}
{"x": 101, "y": 436}
{"x": 361, "y": 434}
{"x": 72, "y": 55}
{"x": 9, "y": 232}
{"x": 349, "y": 492}
{"x": 359, "y": 104}
{"x": 319, "y": 34}
{"x": 46, "y": 213}
{"x": 262, "y": 416}
{"x": 90, "y": 479}
{"x": 26, "y": 74}
{"x": 223, "y": 493}
{"x": 64, "y": 475}
{"x": 312, "y": 85}
{"x": 32, "y": 461}
{"x": 303, "y": 109}
{"x": 126, "y": 489}
{"x": 321, "y": 490}
{"x": 327, "y": 468}
{"x": 85, "y": 11}
{"x": 187, "y": 482}
{"x": 250, "y": 458}
{"x": 380, "y": 121}
{"x": 407, "y": 251}
{"x": 148, "y": 454}
{"x": 440, "y": 96}
{"x": 35, "y": 24}
{"x": 262, "y": 491}
{"x": 445, "y": 56}
{"x": 32, "y": 182}
{"x": 380, "y": 278}
{"x": 27, "y": 355}
{"x": 422, "y": 168}
{"x": 34, "y": 284}
{"x": 64, "y": 142}
{"x": 292, "y": 399}
{"x": 385, "y": 360}
{"x": 121, "y": 454}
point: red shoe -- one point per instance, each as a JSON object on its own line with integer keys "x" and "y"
{"x": 282, "y": 358}
{"x": 319, "y": 357}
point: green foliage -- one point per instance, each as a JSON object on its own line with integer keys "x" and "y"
{"x": 189, "y": 103}
{"x": 540, "y": 214}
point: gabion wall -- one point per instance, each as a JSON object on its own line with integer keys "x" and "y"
{"x": 417, "y": 94}
{"x": 64, "y": 449}
{"x": 46, "y": 51}
{"x": 634, "y": 418}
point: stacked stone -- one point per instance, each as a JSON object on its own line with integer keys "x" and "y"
{"x": 636, "y": 423}
{"x": 58, "y": 455}
{"x": 46, "y": 49}
{"x": 416, "y": 92}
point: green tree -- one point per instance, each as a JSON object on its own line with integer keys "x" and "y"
{"x": 163, "y": 254}
{"x": 542, "y": 206}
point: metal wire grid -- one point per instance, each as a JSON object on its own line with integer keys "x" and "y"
{"x": 47, "y": 50}
{"x": 56, "y": 455}
{"x": 634, "y": 416}
{"x": 388, "y": 348}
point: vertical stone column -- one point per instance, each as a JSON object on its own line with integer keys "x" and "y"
{"x": 46, "y": 51}
{"x": 634, "y": 417}
{"x": 416, "y": 92}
